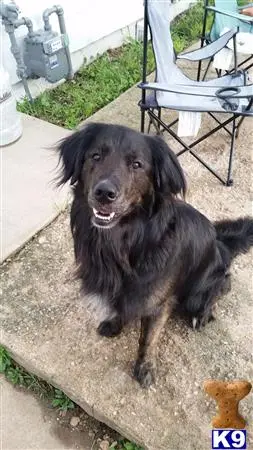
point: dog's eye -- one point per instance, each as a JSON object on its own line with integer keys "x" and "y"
{"x": 136, "y": 165}
{"x": 96, "y": 156}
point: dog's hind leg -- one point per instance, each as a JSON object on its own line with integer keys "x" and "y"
{"x": 207, "y": 302}
{"x": 226, "y": 285}
{"x": 151, "y": 327}
{"x": 204, "y": 316}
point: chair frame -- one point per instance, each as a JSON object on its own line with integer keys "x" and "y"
{"x": 155, "y": 118}
{"x": 206, "y": 40}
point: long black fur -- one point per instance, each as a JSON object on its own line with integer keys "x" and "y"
{"x": 160, "y": 239}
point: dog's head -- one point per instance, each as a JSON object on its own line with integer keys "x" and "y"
{"x": 118, "y": 170}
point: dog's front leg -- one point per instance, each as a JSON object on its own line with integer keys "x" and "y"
{"x": 110, "y": 327}
{"x": 151, "y": 327}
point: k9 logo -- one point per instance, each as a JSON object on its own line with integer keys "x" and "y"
{"x": 228, "y": 439}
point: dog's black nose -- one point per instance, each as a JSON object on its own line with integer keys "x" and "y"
{"x": 105, "y": 191}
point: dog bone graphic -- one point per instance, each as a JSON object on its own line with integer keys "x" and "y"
{"x": 227, "y": 394}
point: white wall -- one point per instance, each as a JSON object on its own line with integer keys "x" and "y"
{"x": 86, "y": 22}
{"x": 93, "y": 27}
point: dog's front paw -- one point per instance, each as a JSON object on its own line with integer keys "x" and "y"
{"x": 110, "y": 328}
{"x": 145, "y": 373}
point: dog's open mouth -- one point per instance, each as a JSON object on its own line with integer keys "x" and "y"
{"x": 103, "y": 219}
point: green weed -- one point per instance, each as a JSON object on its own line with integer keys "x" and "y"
{"x": 19, "y": 377}
{"x": 61, "y": 401}
{"x": 94, "y": 86}
{"x": 125, "y": 445}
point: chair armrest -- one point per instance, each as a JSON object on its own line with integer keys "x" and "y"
{"x": 202, "y": 91}
{"x": 209, "y": 50}
{"x": 241, "y": 17}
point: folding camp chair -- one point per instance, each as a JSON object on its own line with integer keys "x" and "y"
{"x": 175, "y": 91}
{"x": 226, "y": 16}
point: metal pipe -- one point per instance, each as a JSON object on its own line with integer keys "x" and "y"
{"x": 10, "y": 21}
{"x": 29, "y": 25}
{"x": 57, "y": 9}
{"x": 60, "y": 14}
{"x": 8, "y": 12}
{"x": 21, "y": 68}
{"x": 46, "y": 14}
{"x": 25, "y": 21}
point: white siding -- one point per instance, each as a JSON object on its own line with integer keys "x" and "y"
{"x": 86, "y": 22}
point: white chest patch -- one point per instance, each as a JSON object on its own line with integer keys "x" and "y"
{"x": 98, "y": 308}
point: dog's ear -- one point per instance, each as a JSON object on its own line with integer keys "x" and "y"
{"x": 72, "y": 151}
{"x": 168, "y": 174}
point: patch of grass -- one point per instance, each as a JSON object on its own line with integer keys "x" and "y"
{"x": 61, "y": 401}
{"x": 93, "y": 87}
{"x": 187, "y": 27}
{"x": 111, "y": 74}
{"x": 19, "y": 377}
{"x": 125, "y": 445}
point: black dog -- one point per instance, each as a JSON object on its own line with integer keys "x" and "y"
{"x": 137, "y": 245}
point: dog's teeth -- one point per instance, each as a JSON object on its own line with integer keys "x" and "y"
{"x": 107, "y": 217}
{"x": 194, "y": 322}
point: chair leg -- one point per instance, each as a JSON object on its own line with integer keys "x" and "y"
{"x": 150, "y": 122}
{"x": 229, "y": 178}
{"x": 207, "y": 68}
{"x": 228, "y": 181}
{"x": 155, "y": 123}
{"x": 149, "y": 125}
{"x": 157, "y": 126}
{"x": 159, "y": 117}
{"x": 238, "y": 126}
{"x": 142, "y": 120}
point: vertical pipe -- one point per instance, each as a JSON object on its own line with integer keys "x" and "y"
{"x": 21, "y": 69}
{"x": 45, "y": 17}
{"x": 62, "y": 26}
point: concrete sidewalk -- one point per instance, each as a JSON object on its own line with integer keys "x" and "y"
{"x": 28, "y": 424}
{"x": 29, "y": 199}
{"x": 47, "y": 329}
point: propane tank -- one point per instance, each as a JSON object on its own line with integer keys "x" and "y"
{"x": 10, "y": 121}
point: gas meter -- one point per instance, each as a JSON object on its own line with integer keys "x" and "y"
{"x": 46, "y": 52}
{"x": 45, "y": 55}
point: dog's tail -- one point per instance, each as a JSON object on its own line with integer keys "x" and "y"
{"x": 236, "y": 235}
